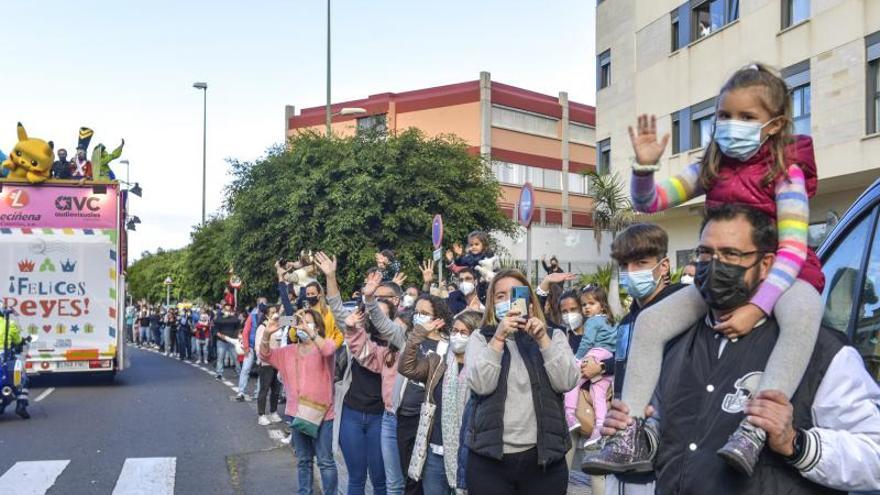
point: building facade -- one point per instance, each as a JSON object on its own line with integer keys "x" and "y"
{"x": 528, "y": 136}
{"x": 670, "y": 57}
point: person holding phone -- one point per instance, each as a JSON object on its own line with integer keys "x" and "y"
{"x": 518, "y": 370}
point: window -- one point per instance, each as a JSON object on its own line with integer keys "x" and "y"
{"x": 535, "y": 176}
{"x": 866, "y": 338}
{"x": 577, "y": 183}
{"x": 797, "y": 77}
{"x": 516, "y": 175}
{"x": 841, "y": 269}
{"x": 581, "y": 134}
{"x": 603, "y": 69}
{"x": 872, "y": 48}
{"x": 708, "y": 16}
{"x": 524, "y": 121}
{"x": 794, "y": 12}
{"x": 552, "y": 179}
{"x": 603, "y": 154}
{"x": 702, "y": 123}
{"x": 676, "y": 31}
{"x": 510, "y": 173}
{"x": 373, "y": 122}
{"x": 676, "y": 133}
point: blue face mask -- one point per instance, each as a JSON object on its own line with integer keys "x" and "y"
{"x": 420, "y": 319}
{"x": 737, "y": 139}
{"x": 302, "y": 336}
{"x": 501, "y": 309}
{"x": 639, "y": 284}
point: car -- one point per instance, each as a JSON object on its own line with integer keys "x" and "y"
{"x": 850, "y": 256}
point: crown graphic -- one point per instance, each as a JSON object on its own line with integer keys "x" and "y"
{"x": 68, "y": 266}
{"x": 26, "y": 265}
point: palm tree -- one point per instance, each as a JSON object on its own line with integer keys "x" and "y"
{"x": 612, "y": 212}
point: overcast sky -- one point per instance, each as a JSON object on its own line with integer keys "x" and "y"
{"x": 126, "y": 70}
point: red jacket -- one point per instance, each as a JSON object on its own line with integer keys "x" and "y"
{"x": 743, "y": 183}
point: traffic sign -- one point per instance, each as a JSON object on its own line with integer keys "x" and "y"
{"x": 438, "y": 254}
{"x": 437, "y": 231}
{"x": 526, "y": 204}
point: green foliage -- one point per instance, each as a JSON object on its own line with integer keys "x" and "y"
{"x": 352, "y": 196}
{"x": 207, "y": 259}
{"x": 612, "y": 210}
{"x": 146, "y": 276}
{"x": 603, "y": 277}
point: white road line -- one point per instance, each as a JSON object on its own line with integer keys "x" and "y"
{"x": 32, "y": 477}
{"x": 228, "y": 383}
{"x": 44, "y": 394}
{"x": 276, "y": 435}
{"x": 147, "y": 476}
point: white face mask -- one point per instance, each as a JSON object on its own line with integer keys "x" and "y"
{"x": 573, "y": 320}
{"x": 310, "y": 326}
{"x": 687, "y": 279}
{"x": 466, "y": 287}
{"x": 420, "y": 319}
{"x": 458, "y": 343}
{"x": 408, "y": 301}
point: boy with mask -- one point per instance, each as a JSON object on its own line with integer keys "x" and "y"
{"x": 640, "y": 252}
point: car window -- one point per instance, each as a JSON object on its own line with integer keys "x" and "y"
{"x": 841, "y": 270}
{"x": 867, "y": 334}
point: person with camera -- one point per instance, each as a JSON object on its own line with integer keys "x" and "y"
{"x": 518, "y": 370}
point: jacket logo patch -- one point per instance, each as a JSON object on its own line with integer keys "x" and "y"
{"x": 745, "y": 388}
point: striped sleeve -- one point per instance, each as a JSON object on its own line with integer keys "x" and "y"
{"x": 649, "y": 196}
{"x": 792, "y": 217}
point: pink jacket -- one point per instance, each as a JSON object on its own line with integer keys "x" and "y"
{"x": 372, "y": 357}
{"x": 309, "y": 375}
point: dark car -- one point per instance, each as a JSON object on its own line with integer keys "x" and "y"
{"x": 851, "y": 262}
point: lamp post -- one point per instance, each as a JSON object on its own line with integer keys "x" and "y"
{"x": 204, "y": 87}
{"x": 168, "y": 284}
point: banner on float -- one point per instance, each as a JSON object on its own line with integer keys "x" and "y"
{"x": 49, "y": 206}
{"x": 62, "y": 286}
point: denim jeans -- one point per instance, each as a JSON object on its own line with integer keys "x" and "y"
{"x": 359, "y": 439}
{"x": 434, "y": 475}
{"x": 182, "y": 344}
{"x": 201, "y": 349}
{"x": 394, "y": 480}
{"x": 307, "y": 448}
{"x": 156, "y": 334}
{"x": 223, "y": 349}
{"x": 246, "y": 365}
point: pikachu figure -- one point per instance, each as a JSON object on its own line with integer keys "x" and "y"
{"x": 31, "y": 158}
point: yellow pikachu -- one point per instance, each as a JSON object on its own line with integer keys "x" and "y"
{"x": 31, "y": 158}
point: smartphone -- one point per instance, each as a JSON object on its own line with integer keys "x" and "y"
{"x": 287, "y": 321}
{"x": 519, "y": 300}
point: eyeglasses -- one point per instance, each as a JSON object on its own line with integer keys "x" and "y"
{"x": 705, "y": 254}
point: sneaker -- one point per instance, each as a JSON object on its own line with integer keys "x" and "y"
{"x": 743, "y": 447}
{"x": 627, "y": 451}
{"x": 218, "y": 377}
{"x": 239, "y": 398}
{"x": 263, "y": 420}
{"x": 275, "y": 418}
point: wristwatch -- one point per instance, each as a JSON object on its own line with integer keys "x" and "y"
{"x": 798, "y": 445}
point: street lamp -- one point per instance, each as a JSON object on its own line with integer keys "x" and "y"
{"x": 168, "y": 284}
{"x": 204, "y": 86}
{"x": 327, "y": 110}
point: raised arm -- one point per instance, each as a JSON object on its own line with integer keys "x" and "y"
{"x": 411, "y": 365}
{"x": 792, "y": 219}
{"x": 365, "y": 352}
{"x": 649, "y": 196}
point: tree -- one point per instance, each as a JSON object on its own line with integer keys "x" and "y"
{"x": 146, "y": 276}
{"x": 612, "y": 212}
{"x": 207, "y": 259}
{"x": 351, "y": 196}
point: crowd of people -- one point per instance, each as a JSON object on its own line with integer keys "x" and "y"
{"x": 485, "y": 384}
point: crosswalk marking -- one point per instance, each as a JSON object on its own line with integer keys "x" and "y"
{"x": 31, "y": 477}
{"x": 146, "y": 476}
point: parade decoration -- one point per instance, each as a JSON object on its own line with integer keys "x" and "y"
{"x": 31, "y": 159}
{"x": 101, "y": 161}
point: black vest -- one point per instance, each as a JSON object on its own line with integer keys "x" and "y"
{"x": 701, "y": 400}
{"x": 485, "y": 435}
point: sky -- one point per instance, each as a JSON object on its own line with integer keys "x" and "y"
{"x": 126, "y": 70}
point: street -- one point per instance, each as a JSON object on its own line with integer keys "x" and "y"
{"x": 161, "y": 427}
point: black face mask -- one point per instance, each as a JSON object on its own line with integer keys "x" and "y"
{"x": 723, "y": 285}
{"x": 313, "y": 301}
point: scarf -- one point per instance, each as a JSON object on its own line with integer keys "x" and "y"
{"x": 455, "y": 396}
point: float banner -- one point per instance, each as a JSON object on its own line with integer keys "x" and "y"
{"x": 62, "y": 287}
{"x": 24, "y": 206}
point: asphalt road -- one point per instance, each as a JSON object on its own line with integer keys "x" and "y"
{"x": 161, "y": 427}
